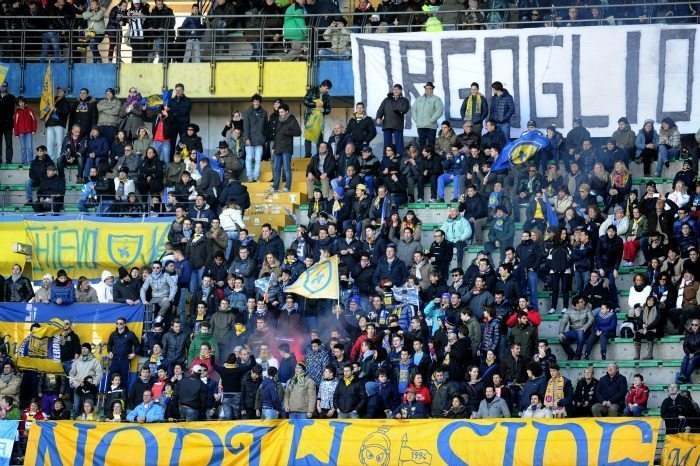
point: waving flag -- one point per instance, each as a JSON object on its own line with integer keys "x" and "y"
{"x": 319, "y": 281}
{"x": 46, "y": 95}
{"x": 263, "y": 284}
{"x": 552, "y": 218}
{"x": 408, "y": 295}
{"x": 520, "y": 151}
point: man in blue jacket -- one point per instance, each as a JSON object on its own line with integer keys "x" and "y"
{"x": 610, "y": 393}
{"x": 390, "y": 272}
{"x": 502, "y": 108}
{"x": 148, "y": 411}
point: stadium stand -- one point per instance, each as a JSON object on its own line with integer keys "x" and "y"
{"x": 574, "y": 277}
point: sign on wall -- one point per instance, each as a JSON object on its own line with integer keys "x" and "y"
{"x": 598, "y": 74}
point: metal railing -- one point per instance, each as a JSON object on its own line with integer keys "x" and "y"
{"x": 260, "y": 37}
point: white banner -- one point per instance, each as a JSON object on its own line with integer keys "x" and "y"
{"x": 554, "y": 74}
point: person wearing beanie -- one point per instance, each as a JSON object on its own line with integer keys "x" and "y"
{"x": 43, "y": 293}
{"x": 105, "y": 289}
{"x": 85, "y": 366}
{"x": 126, "y": 290}
{"x": 300, "y": 394}
{"x": 108, "y": 115}
{"x": 123, "y": 185}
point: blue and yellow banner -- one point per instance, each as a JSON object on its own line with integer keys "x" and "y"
{"x": 433, "y": 442}
{"x": 82, "y": 246}
{"x": 39, "y": 349}
{"x": 520, "y": 151}
{"x": 319, "y": 281}
{"x": 681, "y": 450}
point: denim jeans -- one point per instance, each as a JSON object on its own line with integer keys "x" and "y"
{"x": 426, "y": 137}
{"x": 28, "y": 190}
{"x": 182, "y": 304}
{"x": 610, "y": 275}
{"x": 635, "y": 411}
{"x": 280, "y": 161}
{"x": 348, "y": 415}
{"x": 532, "y": 288}
{"x": 253, "y": 153}
{"x": 580, "y": 280}
{"x": 25, "y": 147}
{"x": 392, "y": 136}
{"x": 505, "y": 129}
{"x": 688, "y": 366}
{"x": 267, "y": 413}
{"x": 94, "y": 42}
{"x": 163, "y": 150}
{"x": 89, "y": 163}
{"x": 50, "y": 40}
{"x": 443, "y": 180}
{"x": 54, "y": 139}
{"x": 665, "y": 153}
{"x": 158, "y": 48}
{"x": 196, "y": 279}
{"x": 578, "y": 336}
{"x": 121, "y": 367}
{"x": 593, "y": 338}
{"x": 298, "y": 415}
{"x": 231, "y": 403}
{"x": 189, "y": 414}
{"x": 193, "y": 51}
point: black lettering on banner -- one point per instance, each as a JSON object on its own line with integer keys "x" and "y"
{"x": 632, "y": 76}
{"x": 511, "y": 43}
{"x": 364, "y": 72}
{"x": 449, "y": 47}
{"x": 593, "y": 121}
{"x": 409, "y": 80}
{"x": 533, "y": 42}
{"x": 667, "y": 35}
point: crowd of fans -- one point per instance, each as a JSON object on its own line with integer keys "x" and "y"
{"x": 61, "y": 30}
{"x": 228, "y": 342}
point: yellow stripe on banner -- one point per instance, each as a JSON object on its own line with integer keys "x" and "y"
{"x": 432, "y": 442}
{"x": 283, "y": 79}
{"x": 195, "y": 76}
{"x": 681, "y": 450}
{"x": 146, "y": 77}
{"x": 236, "y": 80}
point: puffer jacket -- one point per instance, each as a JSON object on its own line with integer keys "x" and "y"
{"x": 638, "y": 395}
{"x": 350, "y": 397}
{"x": 285, "y": 133}
{"x": 300, "y": 395}
{"x": 392, "y": 111}
{"x": 175, "y": 346}
{"x": 691, "y": 343}
{"x": 457, "y": 229}
{"x": 161, "y": 287}
{"x": 502, "y": 107}
{"x": 83, "y": 367}
{"x": 64, "y": 291}
{"x": 426, "y": 111}
{"x": 577, "y": 320}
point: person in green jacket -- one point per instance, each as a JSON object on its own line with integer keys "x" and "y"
{"x": 199, "y": 339}
{"x": 295, "y": 29}
{"x": 501, "y": 232}
{"x": 457, "y": 230}
{"x": 426, "y": 111}
{"x": 9, "y": 410}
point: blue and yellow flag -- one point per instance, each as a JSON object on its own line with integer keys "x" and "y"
{"x": 552, "y": 218}
{"x": 46, "y": 95}
{"x": 319, "y": 281}
{"x": 520, "y": 151}
{"x": 40, "y": 348}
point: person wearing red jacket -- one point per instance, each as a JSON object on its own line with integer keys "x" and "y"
{"x": 422, "y": 391}
{"x": 25, "y": 128}
{"x": 29, "y": 415}
{"x": 533, "y": 316}
{"x": 637, "y": 397}
{"x": 356, "y": 351}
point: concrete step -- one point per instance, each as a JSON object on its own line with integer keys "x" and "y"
{"x": 656, "y": 372}
{"x": 666, "y": 348}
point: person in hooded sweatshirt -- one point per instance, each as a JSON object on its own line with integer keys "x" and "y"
{"x": 105, "y": 289}
{"x": 62, "y": 290}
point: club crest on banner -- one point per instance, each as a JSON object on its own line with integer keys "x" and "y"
{"x": 124, "y": 250}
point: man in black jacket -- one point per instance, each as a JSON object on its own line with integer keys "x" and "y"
{"x": 180, "y": 108}
{"x": 126, "y": 290}
{"x": 235, "y": 191}
{"x": 675, "y": 410}
{"x": 608, "y": 256}
{"x": 474, "y": 207}
{"x": 123, "y": 346}
{"x": 531, "y": 254}
{"x": 192, "y": 395}
{"x": 37, "y": 171}
{"x": 285, "y": 132}
{"x": 441, "y": 252}
{"x": 249, "y": 388}
{"x": 350, "y": 397}
{"x": 321, "y": 169}
{"x": 7, "y": 111}
{"x": 361, "y": 128}
{"x": 429, "y": 169}
{"x": 582, "y": 259}
{"x": 51, "y": 190}
{"x": 84, "y": 113}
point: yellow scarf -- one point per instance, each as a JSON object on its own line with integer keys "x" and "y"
{"x": 554, "y": 393}
{"x": 348, "y": 381}
{"x": 473, "y": 106}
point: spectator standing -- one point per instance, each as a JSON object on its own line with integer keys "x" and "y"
{"x": 137, "y": 16}
{"x": 193, "y": 31}
{"x": 56, "y": 124}
{"x": 83, "y": 367}
{"x": 24, "y": 125}
{"x": 391, "y": 115}
{"x": 285, "y": 132}
{"x": 300, "y": 394}
{"x": 108, "y": 115}
{"x": 558, "y": 396}
{"x": 95, "y": 17}
{"x": 255, "y": 125}
{"x": 475, "y": 108}
{"x": 316, "y": 98}
{"x": 502, "y": 108}
{"x": 83, "y": 112}
{"x": 122, "y": 346}
{"x": 426, "y": 111}
{"x": 161, "y": 26}
{"x": 8, "y": 104}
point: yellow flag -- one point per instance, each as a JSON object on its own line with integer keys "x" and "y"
{"x": 3, "y": 72}
{"x": 320, "y": 281}
{"x": 46, "y": 95}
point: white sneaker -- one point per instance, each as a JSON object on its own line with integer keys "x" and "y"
{"x": 563, "y": 311}
{"x": 551, "y": 311}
